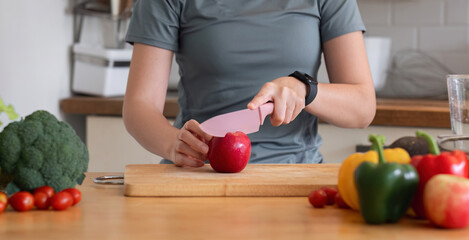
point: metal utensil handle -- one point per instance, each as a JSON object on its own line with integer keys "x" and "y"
{"x": 446, "y": 138}
{"x": 109, "y": 180}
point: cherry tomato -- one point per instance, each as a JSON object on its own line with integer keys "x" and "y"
{"x": 46, "y": 189}
{"x": 3, "y": 198}
{"x": 330, "y": 192}
{"x": 61, "y": 201}
{"x": 340, "y": 201}
{"x": 2, "y": 206}
{"x": 22, "y": 201}
{"x": 318, "y": 198}
{"x": 3, "y": 201}
{"x": 76, "y": 194}
{"x": 41, "y": 200}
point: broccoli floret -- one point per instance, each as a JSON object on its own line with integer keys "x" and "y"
{"x": 40, "y": 150}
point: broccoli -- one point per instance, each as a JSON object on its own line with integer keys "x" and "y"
{"x": 40, "y": 150}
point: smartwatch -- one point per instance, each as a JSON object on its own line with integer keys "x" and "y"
{"x": 310, "y": 82}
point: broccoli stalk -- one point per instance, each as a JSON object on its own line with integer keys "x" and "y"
{"x": 40, "y": 150}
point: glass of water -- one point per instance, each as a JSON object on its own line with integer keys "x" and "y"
{"x": 458, "y": 97}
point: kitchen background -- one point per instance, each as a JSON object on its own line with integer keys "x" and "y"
{"x": 37, "y": 37}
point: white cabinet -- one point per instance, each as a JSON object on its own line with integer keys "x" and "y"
{"x": 111, "y": 147}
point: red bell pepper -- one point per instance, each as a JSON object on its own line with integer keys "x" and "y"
{"x": 429, "y": 165}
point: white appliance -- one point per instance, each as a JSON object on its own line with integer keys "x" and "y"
{"x": 104, "y": 72}
{"x": 99, "y": 71}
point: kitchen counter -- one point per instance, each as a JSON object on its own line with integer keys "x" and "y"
{"x": 389, "y": 112}
{"x": 104, "y": 213}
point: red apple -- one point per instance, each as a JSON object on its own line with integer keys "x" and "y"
{"x": 229, "y": 154}
{"x": 446, "y": 201}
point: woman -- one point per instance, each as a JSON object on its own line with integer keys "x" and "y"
{"x": 238, "y": 54}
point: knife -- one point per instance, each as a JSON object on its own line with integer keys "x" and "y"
{"x": 247, "y": 121}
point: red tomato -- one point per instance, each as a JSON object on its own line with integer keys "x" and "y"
{"x": 3, "y": 198}
{"x": 76, "y": 194}
{"x": 41, "y": 200}
{"x": 318, "y": 198}
{"x": 340, "y": 201}
{"x": 22, "y": 201}
{"x": 3, "y": 201}
{"x": 46, "y": 189}
{"x": 61, "y": 201}
{"x": 2, "y": 206}
{"x": 330, "y": 192}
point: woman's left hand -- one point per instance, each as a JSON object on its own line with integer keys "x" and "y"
{"x": 287, "y": 94}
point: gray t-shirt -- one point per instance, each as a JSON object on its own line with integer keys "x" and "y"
{"x": 227, "y": 49}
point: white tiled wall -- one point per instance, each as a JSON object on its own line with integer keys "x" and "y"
{"x": 437, "y": 27}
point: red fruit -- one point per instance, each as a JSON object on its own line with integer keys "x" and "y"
{"x": 427, "y": 166}
{"x": 330, "y": 192}
{"x": 3, "y": 201}
{"x": 231, "y": 153}
{"x": 339, "y": 201}
{"x": 76, "y": 194}
{"x": 41, "y": 200}
{"x": 22, "y": 201}
{"x": 3, "y": 198}
{"x": 446, "y": 201}
{"x": 2, "y": 206}
{"x": 318, "y": 198}
{"x": 46, "y": 189}
{"x": 61, "y": 201}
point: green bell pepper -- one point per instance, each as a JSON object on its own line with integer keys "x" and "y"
{"x": 386, "y": 189}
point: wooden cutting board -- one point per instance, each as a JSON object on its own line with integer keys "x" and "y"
{"x": 167, "y": 180}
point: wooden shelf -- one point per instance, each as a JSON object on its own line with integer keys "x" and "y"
{"x": 412, "y": 113}
{"x": 108, "y": 106}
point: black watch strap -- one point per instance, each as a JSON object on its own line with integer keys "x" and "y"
{"x": 310, "y": 82}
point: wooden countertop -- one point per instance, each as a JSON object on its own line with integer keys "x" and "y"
{"x": 104, "y": 213}
{"x": 389, "y": 112}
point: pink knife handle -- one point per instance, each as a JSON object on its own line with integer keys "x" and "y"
{"x": 264, "y": 110}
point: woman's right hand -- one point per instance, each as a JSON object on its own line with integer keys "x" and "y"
{"x": 191, "y": 146}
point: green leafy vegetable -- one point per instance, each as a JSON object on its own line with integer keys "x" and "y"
{"x": 9, "y": 110}
{"x": 40, "y": 150}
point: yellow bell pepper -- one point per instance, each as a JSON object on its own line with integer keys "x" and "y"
{"x": 398, "y": 155}
{"x": 346, "y": 183}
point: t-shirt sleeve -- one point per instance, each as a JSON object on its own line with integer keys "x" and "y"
{"x": 155, "y": 23}
{"x": 339, "y": 17}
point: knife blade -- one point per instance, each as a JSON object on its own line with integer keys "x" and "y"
{"x": 247, "y": 121}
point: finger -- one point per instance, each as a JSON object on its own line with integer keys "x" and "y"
{"x": 182, "y": 147}
{"x": 263, "y": 96}
{"x": 194, "y": 127}
{"x": 184, "y": 160}
{"x": 299, "y": 106}
{"x": 195, "y": 143}
{"x": 195, "y": 162}
{"x": 278, "y": 115}
{"x": 289, "y": 113}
